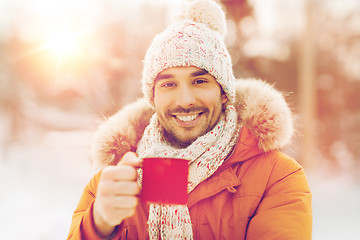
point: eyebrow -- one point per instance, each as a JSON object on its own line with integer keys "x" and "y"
{"x": 163, "y": 76}
{"x": 199, "y": 73}
{"x": 194, "y": 74}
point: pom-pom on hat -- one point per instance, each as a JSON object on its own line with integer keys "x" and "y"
{"x": 195, "y": 39}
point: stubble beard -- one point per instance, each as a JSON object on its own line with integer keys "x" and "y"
{"x": 181, "y": 137}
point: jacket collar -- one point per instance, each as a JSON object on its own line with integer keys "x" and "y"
{"x": 263, "y": 114}
{"x": 246, "y": 148}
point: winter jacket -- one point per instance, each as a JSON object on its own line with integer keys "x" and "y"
{"x": 258, "y": 193}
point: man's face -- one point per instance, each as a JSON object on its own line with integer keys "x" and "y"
{"x": 188, "y": 102}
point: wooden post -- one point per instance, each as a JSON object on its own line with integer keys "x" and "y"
{"x": 307, "y": 90}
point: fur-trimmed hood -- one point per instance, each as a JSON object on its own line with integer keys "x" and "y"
{"x": 261, "y": 109}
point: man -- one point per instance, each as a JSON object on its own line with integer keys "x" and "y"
{"x": 240, "y": 186}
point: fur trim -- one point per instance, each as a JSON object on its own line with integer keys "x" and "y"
{"x": 261, "y": 108}
{"x": 120, "y": 134}
{"x": 264, "y": 111}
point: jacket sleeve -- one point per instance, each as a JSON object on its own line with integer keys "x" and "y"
{"x": 82, "y": 225}
{"x": 285, "y": 209}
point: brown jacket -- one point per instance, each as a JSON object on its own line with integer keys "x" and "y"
{"x": 258, "y": 193}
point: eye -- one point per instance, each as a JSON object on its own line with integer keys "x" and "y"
{"x": 167, "y": 85}
{"x": 200, "y": 81}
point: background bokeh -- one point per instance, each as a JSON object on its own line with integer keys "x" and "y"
{"x": 67, "y": 65}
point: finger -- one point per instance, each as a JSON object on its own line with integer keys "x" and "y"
{"x": 116, "y": 215}
{"x": 122, "y": 202}
{"x": 119, "y": 173}
{"x": 124, "y": 213}
{"x": 130, "y": 158}
{"x": 128, "y": 188}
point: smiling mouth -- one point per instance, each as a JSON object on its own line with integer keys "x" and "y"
{"x": 187, "y": 118}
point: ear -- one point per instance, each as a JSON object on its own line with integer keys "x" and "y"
{"x": 224, "y": 98}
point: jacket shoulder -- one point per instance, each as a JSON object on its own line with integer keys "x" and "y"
{"x": 284, "y": 166}
{"x": 286, "y": 198}
{"x": 272, "y": 172}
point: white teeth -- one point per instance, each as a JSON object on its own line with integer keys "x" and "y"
{"x": 187, "y": 118}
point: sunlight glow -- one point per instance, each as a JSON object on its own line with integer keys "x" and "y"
{"x": 63, "y": 43}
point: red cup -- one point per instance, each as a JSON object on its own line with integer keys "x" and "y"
{"x": 165, "y": 180}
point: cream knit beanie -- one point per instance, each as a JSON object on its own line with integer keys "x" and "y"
{"x": 195, "y": 39}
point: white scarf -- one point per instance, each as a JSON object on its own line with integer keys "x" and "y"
{"x": 206, "y": 154}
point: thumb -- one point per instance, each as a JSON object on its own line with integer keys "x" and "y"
{"x": 130, "y": 158}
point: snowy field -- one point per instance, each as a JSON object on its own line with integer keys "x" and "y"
{"x": 41, "y": 182}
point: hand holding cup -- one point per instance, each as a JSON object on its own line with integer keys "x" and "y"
{"x": 117, "y": 194}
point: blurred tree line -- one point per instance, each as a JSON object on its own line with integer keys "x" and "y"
{"x": 106, "y": 73}
{"x": 336, "y": 40}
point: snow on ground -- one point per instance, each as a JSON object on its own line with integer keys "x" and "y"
{"x": 41, "y": 182}
{"x": 336, "y": 205}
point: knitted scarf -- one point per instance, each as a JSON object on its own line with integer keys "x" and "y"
{"x": 206, "y": 155}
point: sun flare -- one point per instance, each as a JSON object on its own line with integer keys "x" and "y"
{"x": 63, "y": 43}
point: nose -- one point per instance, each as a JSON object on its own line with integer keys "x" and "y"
{"x": 185, "y": 97}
